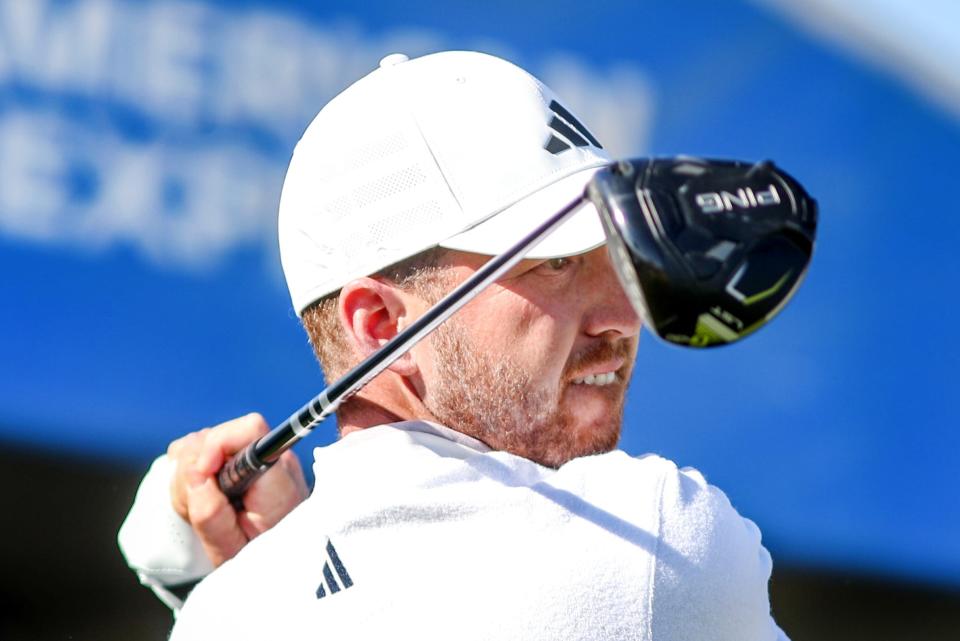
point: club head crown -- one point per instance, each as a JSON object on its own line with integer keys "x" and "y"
{"x": 708, "y": 251}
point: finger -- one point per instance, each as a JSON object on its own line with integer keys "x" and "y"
{"x": 273, "y": 496}
{"x": 185, "y": 476}
{"x": 291, "y": 464}
{"x": 278, "y": 491}
{"x": 215, "y": 521}
{"x": 183, "y": 454}
{"x": 177, "y": 447}
{"x": 229, "y": 438}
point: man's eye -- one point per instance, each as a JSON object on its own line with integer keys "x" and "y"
{"x": 556, "y": 264}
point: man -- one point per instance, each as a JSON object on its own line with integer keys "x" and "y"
{"x": 474, "y": 492}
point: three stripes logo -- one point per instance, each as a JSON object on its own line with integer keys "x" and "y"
{"x": 330, "y": 584}
{"x": 566, "y": 131}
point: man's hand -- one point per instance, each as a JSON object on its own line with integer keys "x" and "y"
{"x": 196, "y": 496}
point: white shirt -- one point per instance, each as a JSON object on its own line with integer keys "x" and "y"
{"x": 417, "y": 531}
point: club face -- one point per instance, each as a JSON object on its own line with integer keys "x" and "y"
{"x": 707, "y": 251}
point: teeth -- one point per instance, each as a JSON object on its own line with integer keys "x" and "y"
{"x": 596, "y": 379}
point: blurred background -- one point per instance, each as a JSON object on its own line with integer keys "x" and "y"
{"x": 142, "y": 150}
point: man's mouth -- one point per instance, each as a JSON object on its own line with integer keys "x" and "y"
{"x": 602, "y": 365}
{"x": 607, "y": 378}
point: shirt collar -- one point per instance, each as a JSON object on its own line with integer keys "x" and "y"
{"x": 428, "y": 427}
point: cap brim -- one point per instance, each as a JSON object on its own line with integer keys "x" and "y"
{"x": 579, "y": 234}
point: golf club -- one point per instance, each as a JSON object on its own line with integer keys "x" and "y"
{"x": 707, "y": 252}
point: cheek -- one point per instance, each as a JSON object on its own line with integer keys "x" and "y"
{"x": 516, "y": 329}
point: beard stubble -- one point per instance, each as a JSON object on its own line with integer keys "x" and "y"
{"x": 500, "y": 403}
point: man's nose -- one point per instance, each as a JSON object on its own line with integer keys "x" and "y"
{"x": 609, "y": 309}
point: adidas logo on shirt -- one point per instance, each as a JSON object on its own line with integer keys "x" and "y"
{"x": 333, "y": 569}
{"x": 567, "y": 131}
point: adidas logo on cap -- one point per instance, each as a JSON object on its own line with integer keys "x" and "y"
{"x": 567, "y": 131}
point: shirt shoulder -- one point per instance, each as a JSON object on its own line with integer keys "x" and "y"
{"x": 711, "y": 575}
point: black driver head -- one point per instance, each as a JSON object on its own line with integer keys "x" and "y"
{"x": 707, "y": 250}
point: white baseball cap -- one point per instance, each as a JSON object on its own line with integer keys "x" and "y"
{"x": 458, "y": 149}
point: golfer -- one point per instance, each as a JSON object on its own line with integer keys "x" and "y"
{"x": 475, "y": 492}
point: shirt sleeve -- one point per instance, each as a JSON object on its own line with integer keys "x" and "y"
{"x": 711, "y": 574}
{"x": 158, "y": 544}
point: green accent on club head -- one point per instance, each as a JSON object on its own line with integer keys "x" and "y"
{"x": 767, "y": 293}
{"x": 710, "y": 330}
{"x": 752, "y": 328}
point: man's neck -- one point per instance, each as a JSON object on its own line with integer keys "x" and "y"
{"x": 359, "y": 413}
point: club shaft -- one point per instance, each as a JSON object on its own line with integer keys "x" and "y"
{"x": 246, "y": 466}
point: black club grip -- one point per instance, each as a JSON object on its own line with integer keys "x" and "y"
{"x": 239, "y": 472}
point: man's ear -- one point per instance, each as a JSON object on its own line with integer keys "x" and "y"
{"x": 371, "y": 312}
